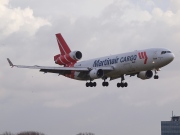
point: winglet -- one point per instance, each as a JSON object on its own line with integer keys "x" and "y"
{"x": 10, "y": 63}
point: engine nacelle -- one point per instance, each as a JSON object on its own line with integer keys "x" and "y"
{"x": 145, "y": 74}
{"x": 75, "y": 55}
{"x": 96, "y": 73}
{"x": 72, "y": 57}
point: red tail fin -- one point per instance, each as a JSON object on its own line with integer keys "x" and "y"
{"x": 66, "y": 57}
{"x": 63, "y": 47}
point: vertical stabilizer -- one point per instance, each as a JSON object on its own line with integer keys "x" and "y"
{"x": 63, "y": 47}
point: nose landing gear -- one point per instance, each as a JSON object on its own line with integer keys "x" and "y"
{"x": 105, "y": 83}
{"x": 156, "y": 76}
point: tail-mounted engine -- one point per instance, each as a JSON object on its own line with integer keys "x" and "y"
{"x": 72, "y": 57}
{"x": 145, "y": 74}
{"x": 96, "y": 73}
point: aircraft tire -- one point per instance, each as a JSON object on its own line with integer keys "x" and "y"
{"x": 103, "y": 84}
{"x": 122, "y": 85}
{"x": 94, "y": 84}
{"x": 107, "y": 84}
{"x": 125, "y": 84}
{"x": 87, "y": 84}
{"x": 156, "y": 77}
{"x": 118, "y": 85}
{"x": 91, "y": 84}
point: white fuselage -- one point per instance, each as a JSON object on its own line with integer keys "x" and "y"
{"x": 129, "y": 63}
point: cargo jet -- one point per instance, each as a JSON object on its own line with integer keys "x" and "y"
{"x": 140, "y": 62}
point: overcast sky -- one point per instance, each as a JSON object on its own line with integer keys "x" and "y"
{"x": 54, "y": 105}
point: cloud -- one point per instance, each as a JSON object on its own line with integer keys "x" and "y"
{"x": 118, "y": 26}
{"x": 123, "y": 23}
{"x": 19, "y": 20}
{"x": 125, "y": 12}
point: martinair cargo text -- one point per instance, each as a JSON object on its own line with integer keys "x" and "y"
{"x": 140, "y": 62}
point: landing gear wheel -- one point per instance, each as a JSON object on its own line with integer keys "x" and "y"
{"x": 105, "y": 84}
{"x": 87, "y": 84}
{"x": 91, "y": 84}
{"x": 156, "y": 77}
{"x": 94, "y": 84}
{"x": 122, "y": 84}
{"x": 125, "y": 84}
{"x": 118, "y": 85}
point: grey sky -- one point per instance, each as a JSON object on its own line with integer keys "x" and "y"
{"x": 52, "y": 104}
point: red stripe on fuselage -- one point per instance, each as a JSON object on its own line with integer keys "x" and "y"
{"x": 146, "y": 58}
{"x": 142, "y": 54}
{"x": 139, "y": 55}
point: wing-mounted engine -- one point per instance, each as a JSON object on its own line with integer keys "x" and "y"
{"x": 96, "y": 73}
{"x": 145, "y": 74}
{"x": 71, "y": 57}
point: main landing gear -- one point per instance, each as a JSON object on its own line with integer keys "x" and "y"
{"x": 156, "y": 76}
{"x": 91, "y": 84}
{"x": 122, "y": 84}
{"x": 105, "y": 83}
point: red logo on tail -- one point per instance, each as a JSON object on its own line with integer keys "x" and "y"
{"x": 142, "y": 55}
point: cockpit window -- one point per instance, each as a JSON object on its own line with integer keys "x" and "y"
{"x": 164, "y": 52}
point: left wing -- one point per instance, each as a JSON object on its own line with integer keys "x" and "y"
{"x": 59, "y": 70}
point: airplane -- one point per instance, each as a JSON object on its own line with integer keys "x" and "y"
{"x": 139, "y": 62}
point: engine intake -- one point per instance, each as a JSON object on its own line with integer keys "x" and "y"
{"x": 145, "y": 74}
{"x": 96, "y": 73}
{"x": 76, "y": 55}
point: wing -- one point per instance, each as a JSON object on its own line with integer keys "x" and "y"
{"x": 59, "y": 70}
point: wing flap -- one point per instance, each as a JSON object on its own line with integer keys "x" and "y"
{"x": 61, "y": 72}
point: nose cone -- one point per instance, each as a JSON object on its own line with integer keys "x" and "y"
{"x": 171, "y": 57}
